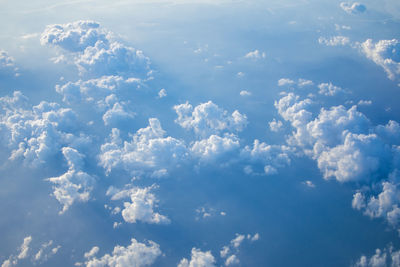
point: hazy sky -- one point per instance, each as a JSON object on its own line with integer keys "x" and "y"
{"x": 200, "y": 133}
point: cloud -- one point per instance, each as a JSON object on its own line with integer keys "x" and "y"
{"x": 213, "y": 148}
{"x": 229, "y": 252}
{"x": 24, "y": 252}
{"x": 334, "y": 41}
{"x": 45, "y": 252}
{"x": 147, "y": 152}
{"x": 207, "y": 119}
{"x": 141, "y": 207}
{"x": 381, "y": 258}
{"x": 381, "y": 201}
{"x": 271, "y": 156}
{"x": 255, "y": 55}
{"x": 162, "y": 93}
{"x": 198, "y": 259}
{"x": 37, "y": 133}
{"x": 94, "y": 50}
{"x": 75, "y": 184}
{"x": 364, "y": 102}
{"x": 384, "y": 53}
{"x": 342, "y": 141}
{"x": 275, "y": 125}
{"x": 353, "y": 8}
{"x": 309, "y": 184}
{"x": 136, "y": 254}
{"x": 285, "y": 81}
{"x": 7, "y": 64}
{"x": 245, "y": 93}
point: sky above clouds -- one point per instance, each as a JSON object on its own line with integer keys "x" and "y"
{"x": 200, "y": 133}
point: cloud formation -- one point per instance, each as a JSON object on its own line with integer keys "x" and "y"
{"x": 94, "y": 50}
{"x": 385, "y": 53}
{"x": 136, "y": 254}
{"x": 353, "y": 8}
{"x": 149, "y": 151}
{"x": 207, "y": 119}
{"x": 75, "y": 184}
{"x": 141, "y": 207}
{"x": 36, "y": 134}
{"x": 198, "y": 259}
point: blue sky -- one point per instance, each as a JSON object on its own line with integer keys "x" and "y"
{"x": 200, "y": 133}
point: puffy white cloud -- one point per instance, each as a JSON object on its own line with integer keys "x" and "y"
{"x": 162, "y": 93}
{"x": 309, "y": 184}
{"x": 104, "y": 95}
{"x": 136, "y": 254}
{"x": 385, "y": 204}
{"x": 93, "y": 252}
{"x": 334, "y": 41}
{"x": 7, "y": 64}
{"x": 364, "y": 102}
{"x": 285, "y": 81}
{"x": 215, "y": 147}
{"x": 95, "y": 91}
{"x": 329, "y": 89}
{"x": 116, "y": 115}
{"x": 272, "y": 156}
{"x": 275, "y": 125}
{"x": 348, "y": 147}
{"x": 255, "y": 55}
{"x": 148, "y": 151}
{"x": 141, "y": 207}
{"x": 342, "y": 141}
{"x": 353, "y": 8}
{"x": 385, "y": 53}
{"x": 73, "y": 185}
{"x": 237, "y": 240}
{"x": 245, "y": 93}
{"x": 37, "y": 133}
{"x": 207, "y": 119}
{"x": 94, "y": 50}
{"x": 232, "y": 260}
{"x": 198, "y": 259}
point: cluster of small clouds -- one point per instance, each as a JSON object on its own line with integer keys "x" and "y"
{"x": 45, "y": 251}
{"x": 94, "y": 50}
{"x": 228, "y": 253}
{"x": 353, "y": 8}
{"x": 135, "y": 254}
{"x": 326, "y": 89}
{"x": 387, "y": 257}
{"x": 141, "y": 207}
{"x": 107, "y": 95}
{"x": 206, "y": 212}
{"x": 36, "y": 134}
{"x": 334, "y": 41}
